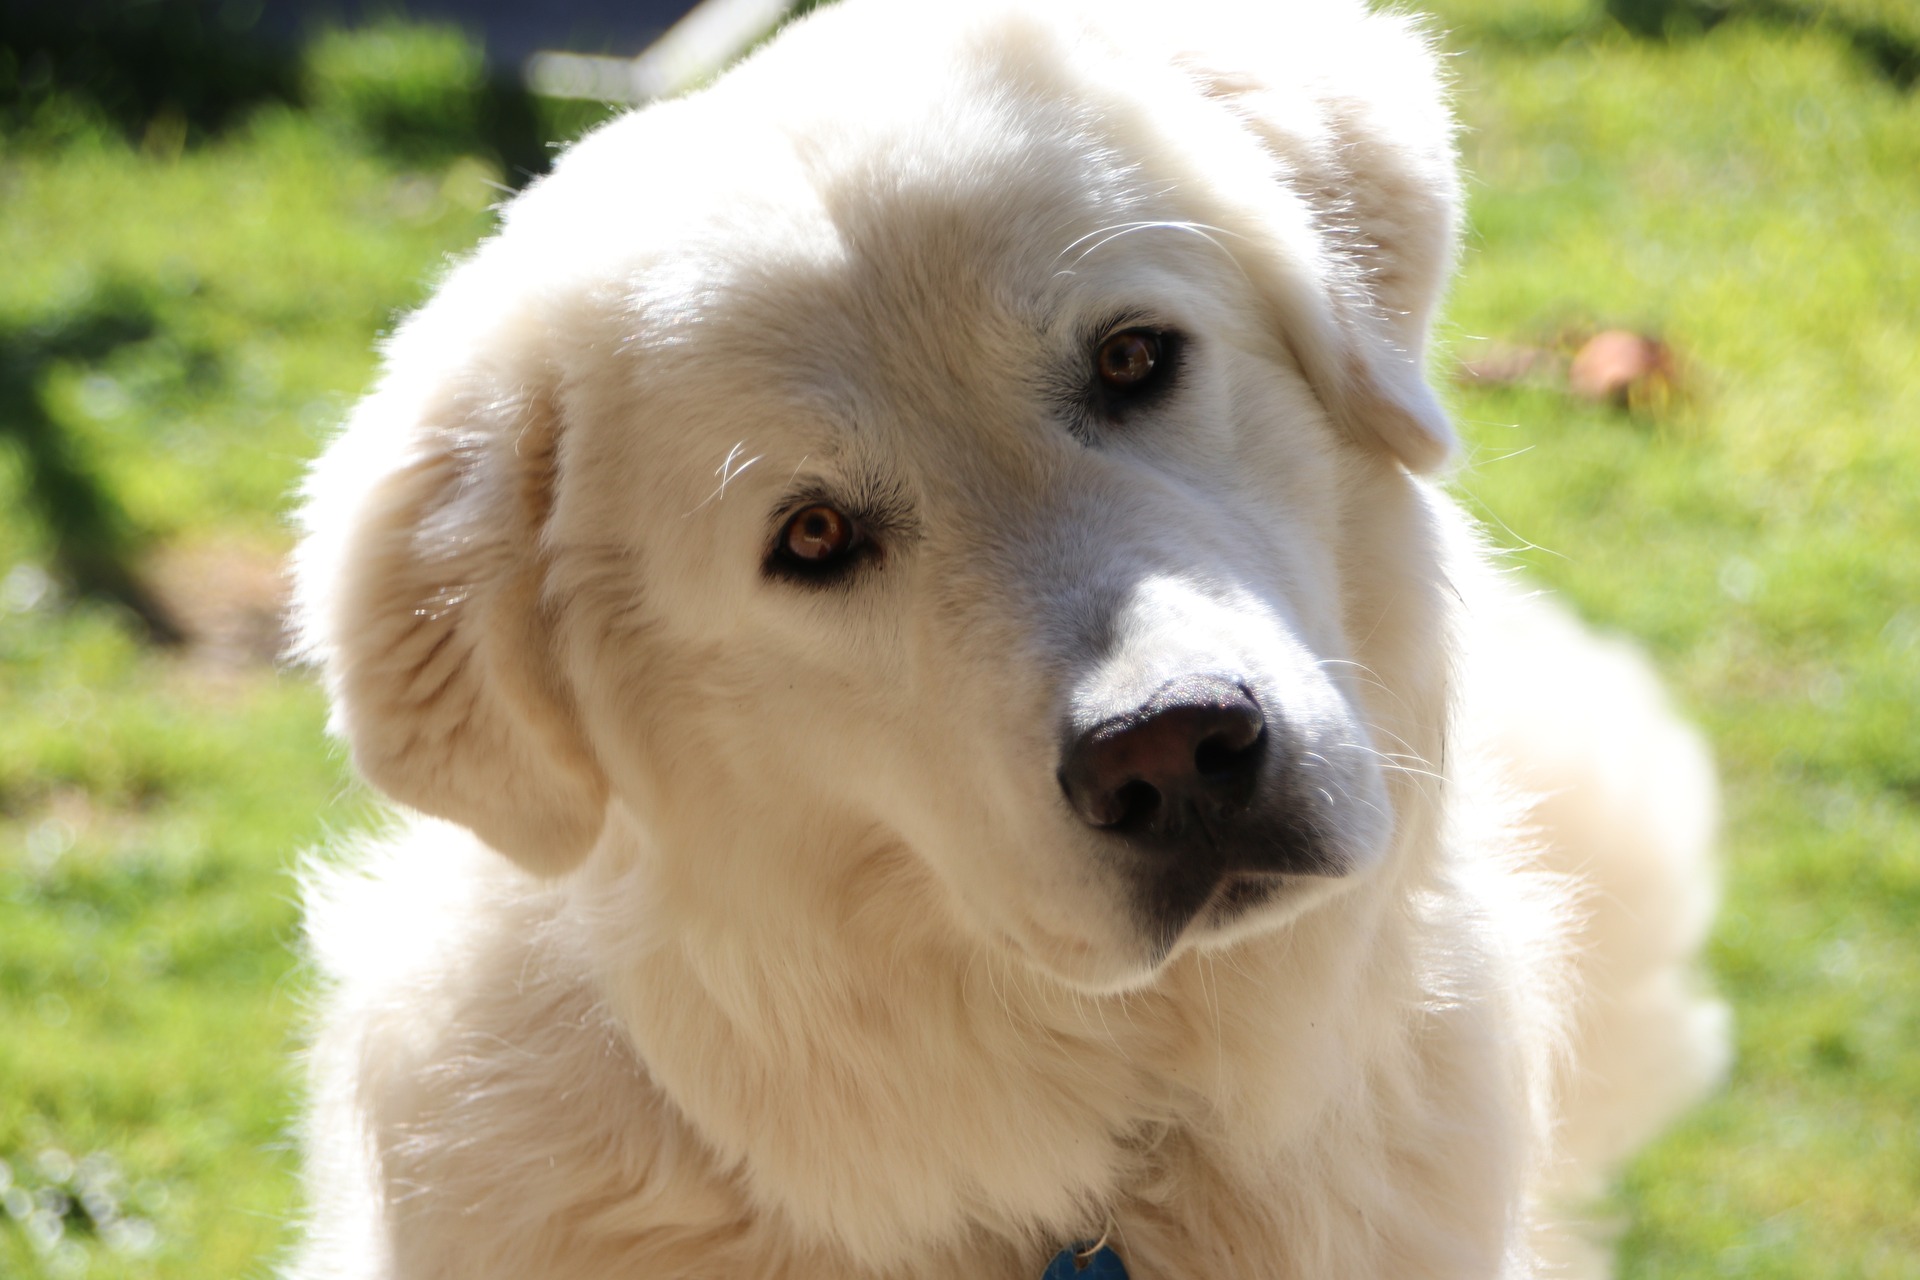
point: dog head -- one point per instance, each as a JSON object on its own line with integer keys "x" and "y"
{"x": 967, "y": 450}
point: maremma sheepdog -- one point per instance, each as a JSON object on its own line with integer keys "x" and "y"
{"x": 946, "y": 729}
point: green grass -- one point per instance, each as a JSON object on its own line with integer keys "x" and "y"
{"x": 1751, "y": 194}
{"x": 151, "y": 805}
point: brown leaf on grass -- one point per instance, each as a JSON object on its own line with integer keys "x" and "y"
{"x": 1627, "y": 369}
{"x": 1615, "y": 366}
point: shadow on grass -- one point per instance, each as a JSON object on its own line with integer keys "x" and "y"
{"x": 1891, "y": 51}
{"x": 129, "y": 64}
{"x": 95, "y": 543}
{"x": 178, "y": 73}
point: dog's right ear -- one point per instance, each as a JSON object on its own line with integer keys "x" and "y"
{"x": 419, "y": 588}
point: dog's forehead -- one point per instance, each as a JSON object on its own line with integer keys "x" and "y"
{"x": 915, "y": 259}
{"x": 925, "y": 260}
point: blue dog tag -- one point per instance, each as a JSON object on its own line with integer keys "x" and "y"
{"x": 1077, "y": 1264}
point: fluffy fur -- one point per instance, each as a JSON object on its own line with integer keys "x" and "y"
{"x": 750, "y": 934}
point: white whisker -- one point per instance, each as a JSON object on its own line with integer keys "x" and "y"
{"x": 729, "y": 470}
{"x": 1108, "y": 234}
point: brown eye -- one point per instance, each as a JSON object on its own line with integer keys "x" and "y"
{"x": 1128, "y": 358}
{"x": 817, "y": 534}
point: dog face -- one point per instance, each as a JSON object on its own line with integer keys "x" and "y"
{"x": 966, "y": 491}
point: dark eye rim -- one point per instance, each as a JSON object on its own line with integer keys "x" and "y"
{"x": 782, "y": 564}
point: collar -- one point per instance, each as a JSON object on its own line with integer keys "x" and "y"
{"x": 1089, "y": 1260}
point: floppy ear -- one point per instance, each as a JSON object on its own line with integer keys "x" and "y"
{"x": 1362, "y": 137}
{"x": 420, "y": 589}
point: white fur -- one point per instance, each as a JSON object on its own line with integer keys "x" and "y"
{"x": 798, "y": 964}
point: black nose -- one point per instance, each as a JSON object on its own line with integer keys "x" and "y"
{"x": 1189, "y": 756}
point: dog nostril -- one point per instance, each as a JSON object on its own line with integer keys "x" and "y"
{"x": 1135, "y": 805}
{"x": 1228, "y": 752}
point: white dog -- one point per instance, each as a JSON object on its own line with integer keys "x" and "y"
{"x": 954, "y": 726}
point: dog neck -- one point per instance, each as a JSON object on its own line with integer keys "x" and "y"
{"x": 887, "y": 1085}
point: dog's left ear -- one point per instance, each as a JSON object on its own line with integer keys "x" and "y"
{"x": 1361, "y": 139}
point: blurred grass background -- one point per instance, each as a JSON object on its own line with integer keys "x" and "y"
{"x": 203, "y": 237}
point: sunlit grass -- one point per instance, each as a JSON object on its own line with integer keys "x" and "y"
{"x": 152, "y": 805}
{"x": 1753, "y": 196}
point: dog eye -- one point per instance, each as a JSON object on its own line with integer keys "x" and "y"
{"x": 818, "y": 534}
{"x": 1129, "y": 359}
{"x": 817, "y": 542}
